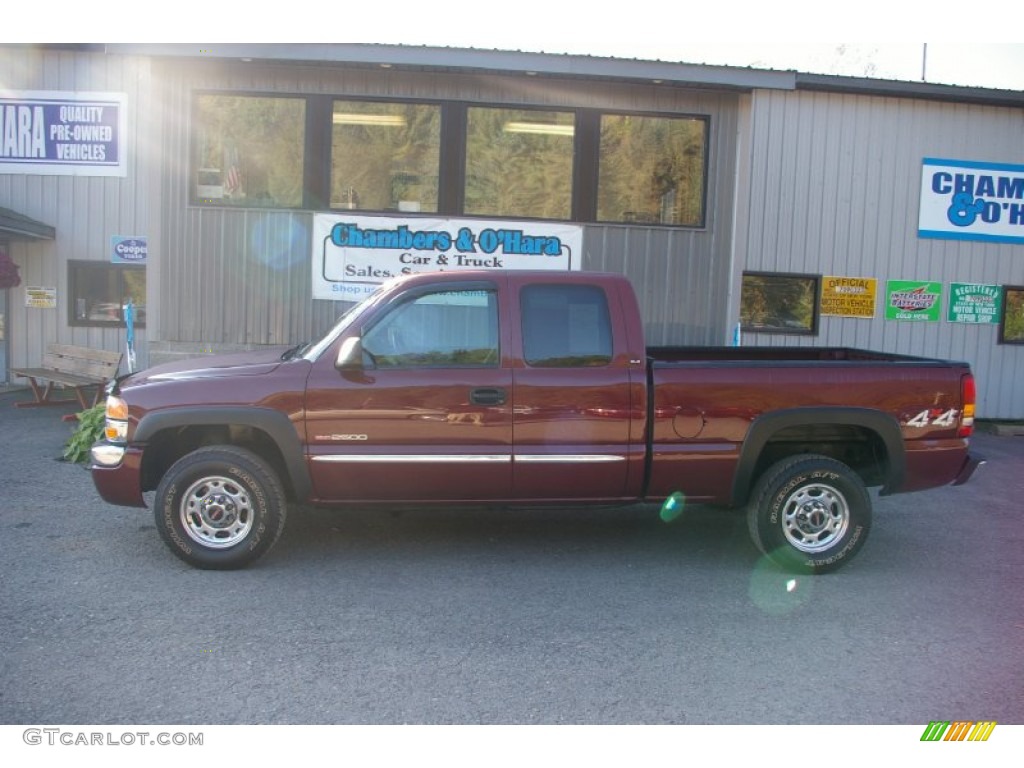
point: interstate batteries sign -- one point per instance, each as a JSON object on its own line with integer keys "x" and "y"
{"x": 965, "y": 200}
{"x": 913, "y": 301}
{"x": 352, "y": 255}
{"x": 62, "y": 133}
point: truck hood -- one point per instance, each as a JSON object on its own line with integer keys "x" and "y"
{"x": 255, "y": 363}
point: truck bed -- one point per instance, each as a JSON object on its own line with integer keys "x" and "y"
{"x": 778, "y": 355}
{"x": 706, "y": 401}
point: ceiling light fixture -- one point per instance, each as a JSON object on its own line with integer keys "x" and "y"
{"x": 352, "y": 118}
{"x": 550, "y": 129}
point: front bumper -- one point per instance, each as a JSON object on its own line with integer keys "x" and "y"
{"x": 117, "y": 474}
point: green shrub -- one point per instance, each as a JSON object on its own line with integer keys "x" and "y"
{"x": 89, "y": 430}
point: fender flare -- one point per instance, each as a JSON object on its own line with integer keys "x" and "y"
{"x": 276, "y": 424}
{"x": 766, "y": 426}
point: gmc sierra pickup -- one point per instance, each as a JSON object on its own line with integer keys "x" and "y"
{"x": 516, "y": 388}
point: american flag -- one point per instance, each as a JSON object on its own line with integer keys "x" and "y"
{"x": 233, "y": 177}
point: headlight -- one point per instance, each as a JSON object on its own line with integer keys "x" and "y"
{"x": 116, "y": 429}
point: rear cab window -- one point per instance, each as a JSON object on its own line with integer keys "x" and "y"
{"x": 565, "y": 326}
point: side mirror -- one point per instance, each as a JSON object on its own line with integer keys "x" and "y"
{"x": 350, "y": 355}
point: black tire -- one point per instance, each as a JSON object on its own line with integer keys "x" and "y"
{"x": 220, "y": 508}
{"x": 809, "y": 513}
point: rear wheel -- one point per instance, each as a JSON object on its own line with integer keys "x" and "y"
{"x": 809, "y": 513}
{"x": 220, "y": 507}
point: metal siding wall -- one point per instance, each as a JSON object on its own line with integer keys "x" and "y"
{"x": 86, "y": 211}
{"x": 834, "y": 190}
{"x": 218, "y": 286}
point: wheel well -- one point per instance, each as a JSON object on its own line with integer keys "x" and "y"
{"x": 860, "y": 448}
{"x": 168, "y": 445}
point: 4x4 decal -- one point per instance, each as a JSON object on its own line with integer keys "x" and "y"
{"x": 934, "y": 417}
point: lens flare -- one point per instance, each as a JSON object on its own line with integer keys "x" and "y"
{"x": 279, "y": 243}
{"x": 673, "y": 507}
{"x": 778, "y": 591}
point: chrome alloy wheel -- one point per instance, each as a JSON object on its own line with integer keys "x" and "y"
{"x": 815, "y": 517}
{"x": 216, "y": 512}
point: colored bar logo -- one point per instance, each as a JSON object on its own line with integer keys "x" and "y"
{"x": 958, "y": 730}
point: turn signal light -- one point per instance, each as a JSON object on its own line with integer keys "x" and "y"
{"x": 116, "y": 427}
{"x": 968, "y": 396}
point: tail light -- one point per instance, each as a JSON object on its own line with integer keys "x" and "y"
{"x": 968, "y": 397}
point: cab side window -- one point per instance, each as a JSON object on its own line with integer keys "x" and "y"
{"x": 442, "y": 329}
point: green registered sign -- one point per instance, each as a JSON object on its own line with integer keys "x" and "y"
{"x": 974, "y": 303}
{"x": 914, "y": 301}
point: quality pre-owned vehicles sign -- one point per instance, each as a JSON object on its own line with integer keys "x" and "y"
{"x": 354, "y": 254}
{"x": 62, "y": 133}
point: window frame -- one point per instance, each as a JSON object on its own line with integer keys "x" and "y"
{"x": 814, "y": 281}
{"x": 463, "y": 150}
{"x": 317, "y": 149}
{"x": 328, "y": 152}
{"x": 1003, "y": 339}
{"x": 606, "y": 333}
{"x": 308, "y": 145}
{"x": 404, "y": 301}
{"x": 100, "y": 266}
{"x": 705, "y": 166}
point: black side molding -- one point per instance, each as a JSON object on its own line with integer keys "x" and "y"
{"x": 766, "y": 426}
{"x": 276, "y": 424}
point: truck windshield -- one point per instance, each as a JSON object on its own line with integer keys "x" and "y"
{"x": 313, "y": 351}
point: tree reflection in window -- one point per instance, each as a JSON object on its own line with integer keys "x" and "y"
{"x": 249, "y": 150}
{"x": 519, "y": 163}
{"x": 779, "y": 303}
{"x": 651, "y": 170}
{"x": 385, "y": 156}
{"x": 1011, "y": 328}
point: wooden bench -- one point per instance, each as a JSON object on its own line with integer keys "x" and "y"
{"x": 79, "y": 368}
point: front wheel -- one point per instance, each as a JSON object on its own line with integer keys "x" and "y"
{"x": 220, "y": 507}
{"x": 809, "y": 513}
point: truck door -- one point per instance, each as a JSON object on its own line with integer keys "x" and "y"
{"x": 575, "y": 392}
{"x": 428, "y": 416}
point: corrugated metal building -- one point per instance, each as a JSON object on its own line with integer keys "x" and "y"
{"x": 803, "y": 175}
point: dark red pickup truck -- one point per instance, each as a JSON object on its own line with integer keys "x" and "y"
{"x": 516, "y": 388}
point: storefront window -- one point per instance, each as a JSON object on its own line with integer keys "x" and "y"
{"x": 99, "y": 292}
{"x": 249, "y": 150}
{"x": 519, "y": 163}
{"x": 779, "y": 303}
{"x": 385, "y": 156}
{"x": 651, "y": 170}
{"x": 1011, "y": 328}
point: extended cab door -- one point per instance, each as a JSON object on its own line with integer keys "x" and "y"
{"x": 578, "y": 392}
{"x": 428, "y": 415}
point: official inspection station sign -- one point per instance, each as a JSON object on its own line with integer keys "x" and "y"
{"x": 848, "y": 296}
{"x": 352, "y": 255}
{"x": 967, "y": 200}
